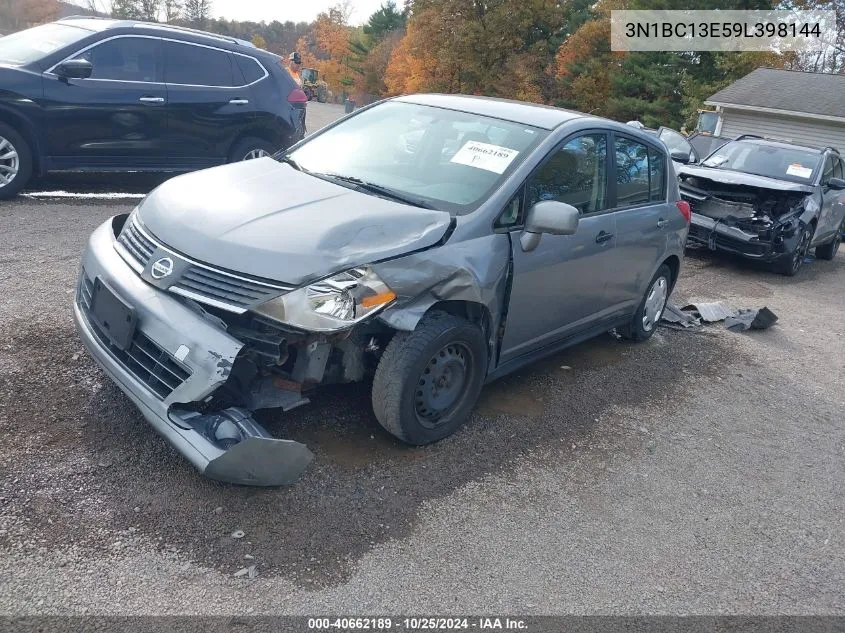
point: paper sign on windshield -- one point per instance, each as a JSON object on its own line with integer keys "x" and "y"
{"x": 798, "y": 170}
{"x": 485, "y": 156}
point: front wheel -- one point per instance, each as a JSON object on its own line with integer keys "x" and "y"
{"x": 428, "y": 380}
{"x": 791, "y": 263}
{"x": 645, "y": 321}
{"x": 15, "y": 162}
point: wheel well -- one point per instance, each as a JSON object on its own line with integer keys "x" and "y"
{"x": 674, "y": 265}
{"x": 264, "y": 134}
{"x": 22, "y": 127}
{"x": 470, "y": 310}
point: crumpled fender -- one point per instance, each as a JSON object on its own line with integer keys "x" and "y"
{"x": 473, "y": 270}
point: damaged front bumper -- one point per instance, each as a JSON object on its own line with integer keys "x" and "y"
{"x": 168, "y": 373}
{"x": 718, "y": 235}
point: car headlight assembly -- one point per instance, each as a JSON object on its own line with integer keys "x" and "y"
{"x": 334, "y": 303}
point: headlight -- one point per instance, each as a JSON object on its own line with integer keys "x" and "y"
{"x": 334, "y": 303}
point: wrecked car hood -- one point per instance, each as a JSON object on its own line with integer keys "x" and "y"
{"x": 729, "y": 177}
{"x": 267, "y": 219}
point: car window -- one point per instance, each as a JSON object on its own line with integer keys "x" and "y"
{"x": 827, "y": 173}
{"x": 250, "y": 69}
{"x": 187, "y": 64}
{"x": 632, "y": 172}
{"x": 36, "y": 43}
{"x": 656, "y": 175}
{"x": 126, "y": 59}
{"x": 676, "y": 141}
{"x": 510, "y": 216}
{"x": 837, "y": 170}
{"x": 764, "y": 159}
{"x": 575, "y": 174}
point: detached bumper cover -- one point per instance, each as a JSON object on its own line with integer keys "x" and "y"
{"x": 177, "y": 356}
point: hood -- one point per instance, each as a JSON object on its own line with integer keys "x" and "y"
{"x": 265, "y": 218}
{"x": 729, "y": 177}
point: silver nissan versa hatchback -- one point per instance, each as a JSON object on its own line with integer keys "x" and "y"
{"x": 433, "y": 242}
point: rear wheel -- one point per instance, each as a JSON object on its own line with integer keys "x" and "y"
{"x": 829, "y": 250}
{"x": 791, "y": 264}
{"x": 250, "y": 148}
{"x": 15, "y": 162}
{"x": 428, "y": 380}
{"x": 651, "y": 308}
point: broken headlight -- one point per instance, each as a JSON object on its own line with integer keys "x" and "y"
{"x": 333, "y": 303}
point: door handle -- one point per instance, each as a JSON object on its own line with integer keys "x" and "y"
{"x": 151, "y": 99}
{"x": 239, "y": 101}
{"x": 661, "y": 223}
{"x": 603, "y": 237}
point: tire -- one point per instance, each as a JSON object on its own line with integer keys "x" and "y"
{"x": 647, "y": 317}
{"x": 249, "y": 148}
{"x": 16, "y": 167}
{"x": 428, "y": 380}
{"x": 791, "y": 263}
{"x": 829, "y": 250}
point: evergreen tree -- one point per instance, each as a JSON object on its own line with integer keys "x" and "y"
{"x": 384, "y": 21}
{"x": 197, "y": 12}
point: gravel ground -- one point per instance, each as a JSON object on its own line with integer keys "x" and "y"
{"x": 700, "y": 472}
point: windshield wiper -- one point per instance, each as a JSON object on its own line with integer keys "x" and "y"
{"x": 289, "y": 161}
{"x": 379, "y": 190}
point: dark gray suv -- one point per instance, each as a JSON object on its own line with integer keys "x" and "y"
{"x": 434, "y": 242}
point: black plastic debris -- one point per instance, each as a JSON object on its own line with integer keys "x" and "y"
{"x": 737, "y": 320}
{"x": 751, "y": 320}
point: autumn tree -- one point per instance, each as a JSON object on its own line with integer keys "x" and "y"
{"x": 259, "y": 41}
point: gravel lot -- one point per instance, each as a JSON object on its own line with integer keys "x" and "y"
{"x": 700, "y": 472}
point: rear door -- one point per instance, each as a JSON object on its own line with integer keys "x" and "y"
{"x": 209, "y": 104}
{"x": 645, "y": 220}
{"x": 559, "y": 288}
{"x": 117, "y": 118}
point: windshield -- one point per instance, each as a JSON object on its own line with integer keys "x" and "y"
{"x": 33, "y": 44}
{"x": 447, "y": 160}
{"x": 783, "y": 163}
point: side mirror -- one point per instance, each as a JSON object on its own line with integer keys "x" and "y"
{"x": 548, "y": 216}
{"x": 680, "y": 156}
{"x": 75, "y": 69}
{"x": 836, "y": 183}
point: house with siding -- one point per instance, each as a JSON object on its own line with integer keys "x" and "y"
{"x": 799, "y": 107}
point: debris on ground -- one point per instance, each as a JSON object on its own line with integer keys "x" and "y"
{"x": 250, "y": 572}
{"x": 238, "y": 534}
{"x": 737, "y": 320}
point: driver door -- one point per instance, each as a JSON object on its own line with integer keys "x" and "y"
{"x": 560, "y": 288}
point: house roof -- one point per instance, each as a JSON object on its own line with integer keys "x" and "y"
{"x": 790, "y": 90}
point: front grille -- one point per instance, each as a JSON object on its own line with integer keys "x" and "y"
{"x": 233, "y": 291}
{"x": 198, "y": 281}
{"x": 138, "y": 245}
{"x": 146, "y": 361}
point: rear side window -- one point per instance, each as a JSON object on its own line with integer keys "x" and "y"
{"x": 250, "y": 68}
{"x": 632, "y": 172}
{"x": 837, "y": 171}
{"x": 192, "y": 65}
{"x": 126, "y": 59}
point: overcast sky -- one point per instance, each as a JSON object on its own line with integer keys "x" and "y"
{"x": 283, "y": 10}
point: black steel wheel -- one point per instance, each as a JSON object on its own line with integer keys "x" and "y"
{"x": 428, "y": 380}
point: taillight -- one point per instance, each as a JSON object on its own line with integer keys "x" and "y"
{"x": 684, "y": 208}
{"x": 297, "y": 95}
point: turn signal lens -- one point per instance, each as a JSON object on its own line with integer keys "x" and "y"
{"x": 684, "y": 208}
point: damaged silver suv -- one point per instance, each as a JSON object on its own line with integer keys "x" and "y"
{"x": 433, "y": 242}
{"x": 767, "y": 200}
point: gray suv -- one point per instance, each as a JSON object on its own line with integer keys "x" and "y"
{"x": 433, "y": 242}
